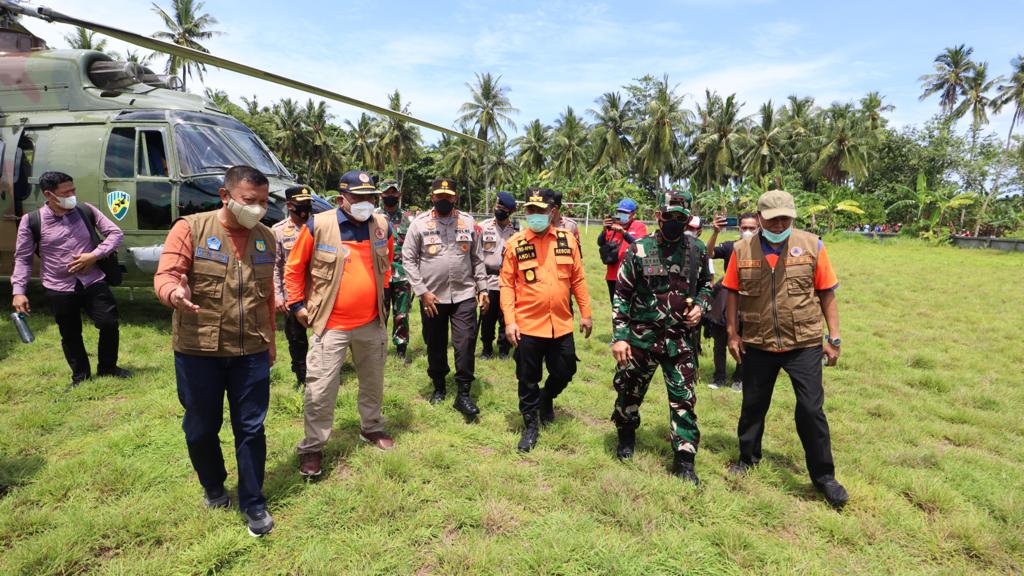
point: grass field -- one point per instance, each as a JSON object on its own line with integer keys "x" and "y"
{"x": 925, "y": 409}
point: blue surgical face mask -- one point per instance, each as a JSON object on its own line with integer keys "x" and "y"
{"x": 623, "y": 218}
{"x": 537, "y": 222}
{"x": 776, "y": 238}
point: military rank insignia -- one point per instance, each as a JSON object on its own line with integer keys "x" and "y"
{"x": 530, "y": 275}
{"x": 525, "y": 252}
{"x": 653, "y": 266}
{"x": 562, "y": 245}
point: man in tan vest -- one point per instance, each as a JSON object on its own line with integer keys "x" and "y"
{"x": 781, "y": 283}
{"x": 217, "y": 272}
{"x": 335, "y": 279}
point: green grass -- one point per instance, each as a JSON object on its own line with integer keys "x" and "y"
{"x": 925, "y": 410}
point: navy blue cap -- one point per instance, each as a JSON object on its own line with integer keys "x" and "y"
{"x": 507, "y": 200}
{"x": 357, "y": 182}
{"x": 626, "y": 205}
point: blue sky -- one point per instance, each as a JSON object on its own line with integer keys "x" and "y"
{"x": 554, "y": 54}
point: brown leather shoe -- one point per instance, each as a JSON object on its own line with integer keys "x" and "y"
{"x": 309, "y": 464}
{"x": 379, "y": 439}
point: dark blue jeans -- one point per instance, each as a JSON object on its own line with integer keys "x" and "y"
{"x": 202, "y": 383}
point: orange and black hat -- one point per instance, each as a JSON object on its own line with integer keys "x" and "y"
{"x": 357, "y": 182}
{"x": 443, "y": 186}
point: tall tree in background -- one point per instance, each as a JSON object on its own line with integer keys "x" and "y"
{"x": 872, "y": 107}
{"x": 82, "y": 39}
{"x": 487, "y": 111}
{"x": 614, "y": 124}
{"x": 665, "y": 120}
{"x": 187, "y": 26}
{"x": 766, "y": 139}
{"x": 362, "y": 142}
{"x": 952, "y": 68}
{"x": 398, "y": 139}
{"x": 1012, "y": 94}
{"x": 976, "y": 101}
{"x": 569, "y": 145}
{"x": 533, "y": 146}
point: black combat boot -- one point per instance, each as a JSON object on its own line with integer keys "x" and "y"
{"x": 547, "y": 409}
{"x": 682, "y": 467}
{"x": 464, "y": 403}
{"x": 439, "y": 392}
{"x": 530, "y": 432}
{"x": 300, "y": 378}
{"x": 627, "y": 443}
{"x": 487, "y": 353}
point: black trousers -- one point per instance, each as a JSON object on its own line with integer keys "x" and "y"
{"x": 611, "y": 290}
{"x": 462, "y": 318}
{"x": 720, "y": 336}
{"x": 298, "y": 343}
{"x": 760, "y": 370}
{"x": 98, "y": 303}
{"x": 558, "y": 355}
{"x": 493, "y": 317}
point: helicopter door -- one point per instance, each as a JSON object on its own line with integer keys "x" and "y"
{"x": 137, "y": 183}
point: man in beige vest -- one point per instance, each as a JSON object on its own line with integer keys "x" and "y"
{"x": 781, "y": 284}
{"x": 217, "y": 272}
{"x": 335, "y": 279}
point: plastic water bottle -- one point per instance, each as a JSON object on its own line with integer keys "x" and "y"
{"x": 21, "y": 324}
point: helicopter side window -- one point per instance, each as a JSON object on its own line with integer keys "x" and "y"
{"x": 120, "y": 153}
{"x": 152, "y": 156}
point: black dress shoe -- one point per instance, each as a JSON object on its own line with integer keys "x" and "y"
{"x": 77, "y": 379}
{"x": 833, "y": 491}
{"x": 465, "y": 405}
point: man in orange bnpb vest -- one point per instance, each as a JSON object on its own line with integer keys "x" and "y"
{"x": 781, "y": 284}
{"x": 335, "y": 280}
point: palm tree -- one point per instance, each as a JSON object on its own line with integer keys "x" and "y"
{"x": 767, "y": 139}
{"x": 289, "y": 132}
{"x": 872, "y": 107}
{"x": 831, "y": 204}
{"x": 532, "y": 147}
{"x": 319, "y": 143}
{"x": 398, "y": 139}
{"x": 1012, "y": 93}
{"x": 488, "y": 110}
{"x": 82, "y": 39}
{"x": 185, "y": 28}
{"x": 976, "y": 101}
{"x": 138, "y": 57}
{"x": 845, "y": 146}
{"x": 951, "y": 70}
{"x": 460, "y": 161}
{"x": 611, "y": 132}
{"x": 500, "y": 165}
{"x": 252, "y": 105}
{"x": 569, "y": 145}
{"x": 665, "y": 122}
{"x": 720, "y": 139}
{"x": 362, "y": 148}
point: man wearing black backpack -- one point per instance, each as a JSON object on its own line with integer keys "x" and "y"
{"x": 66, "y": 238}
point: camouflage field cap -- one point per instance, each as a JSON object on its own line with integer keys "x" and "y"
{"x": 677, "y": 201}
{"x": 389, "y": 184}
{"x": 775, "y": 203}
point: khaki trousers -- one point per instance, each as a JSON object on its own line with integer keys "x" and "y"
{"x": 323, "y": 377}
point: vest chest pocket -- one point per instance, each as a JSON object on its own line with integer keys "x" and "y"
{"x": 323, "y": 264}
{"x": 380, "y": 259}
{"x": 750, "y": 327}
{"x": 201, "y": 331}
{"x": 564, "y": 267}
{"x": 208, "y": 278}
{"x": 528, "y": 271}
{"x": 264, "y": 274}
{"x": 799, "y": 279}
{"x": 807, "y": 323}
{"x": 750, "y": 281}
{"x": 432, "y": 244}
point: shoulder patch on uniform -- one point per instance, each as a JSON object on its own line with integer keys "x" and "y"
{"x": 796, "y": 251}
{"x": 748, "y": 263}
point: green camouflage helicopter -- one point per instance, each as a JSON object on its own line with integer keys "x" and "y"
{"x": 140, "y": 149}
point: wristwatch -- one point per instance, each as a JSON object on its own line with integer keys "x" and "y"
{"x": 837, "y": 342}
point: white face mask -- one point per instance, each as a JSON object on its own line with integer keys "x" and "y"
{"x": 744, "y": 234}
{"x": 66, "y": 203}
{"x": 361, "y": 211}
{"x": 690, "y": 233}
{"x": 248, "y": 215}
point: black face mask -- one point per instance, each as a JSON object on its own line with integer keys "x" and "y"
{"x": 672, "y": 230}
{"x": 390, "y": 201}
{"x": 501, "y": 215}
{"x": 444, "y": 207}
{"x": 302, "y": 211}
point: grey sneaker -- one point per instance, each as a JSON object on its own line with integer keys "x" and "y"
{"x": 259, "y": 521}
{"x": 216, "y": 498}
{"x": 737, "y": 385}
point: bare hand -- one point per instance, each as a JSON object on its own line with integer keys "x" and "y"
{"x": 622, "y": 352}
{"x": 281, "y": 305}
{"x": 608, "y": 222}
{"x": 719, "y": 223}
{"x": 736, "y": 348}
{"x": 485, "y": 302}
{"x": 272, "y": 353}
{"x": 82, "y": 262}
{"x": 181, "y": 297}
{"x": 831, "y": 354}
{"x": 512, "y": 334}
{"x": 618, "y": 228}
{"x": 586, "y": 326}
{"x": 302, "y": 315}
{"x": 693, "y": 316}
{"x": 429, "y": 302}
{"x": 20, "y": 304}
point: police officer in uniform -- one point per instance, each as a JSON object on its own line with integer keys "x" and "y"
{"x": 542, "y": 268}
{"x": 781, "y": 285}
{"x": 299, "y": 202}
{"x": 443, "y": 259}
{"x": 494, "y": 233}
{"x": 663, "y": 289}
{"x": 399, "y": 295}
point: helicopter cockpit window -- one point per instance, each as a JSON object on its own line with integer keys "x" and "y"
{"x": 152, "y": 157}
{"x": 253, "y": 150}
{"x": 202, "y": 150}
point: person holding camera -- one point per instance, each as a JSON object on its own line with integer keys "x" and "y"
{"x": 620, "y": 230}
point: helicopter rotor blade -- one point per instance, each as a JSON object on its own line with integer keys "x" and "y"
{"x": 50, "y": 15}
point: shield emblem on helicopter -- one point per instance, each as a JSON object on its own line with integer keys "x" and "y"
{"x": 118, "y": 203}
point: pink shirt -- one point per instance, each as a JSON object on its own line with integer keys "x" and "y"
{"x": 61, "y": 240}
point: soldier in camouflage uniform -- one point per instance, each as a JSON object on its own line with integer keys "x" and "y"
{"x": 663, "y": 289}
{"x": 399, "y": 295}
